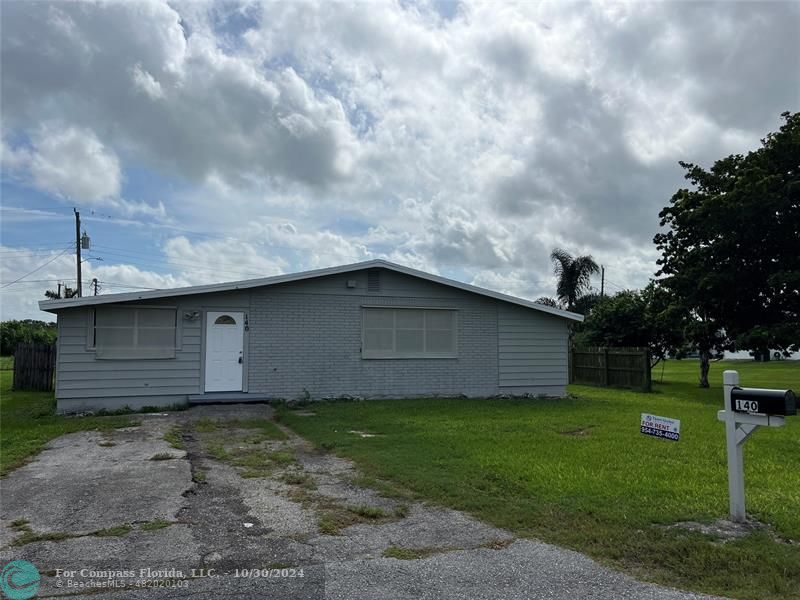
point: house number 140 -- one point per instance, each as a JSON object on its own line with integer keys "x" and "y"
{"x": 750, "y": 406}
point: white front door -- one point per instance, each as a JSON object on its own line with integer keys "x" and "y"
{"x": 224, "y": 351}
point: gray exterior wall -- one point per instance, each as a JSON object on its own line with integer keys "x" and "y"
{"x": 531, "y": 351}
{"x": 305, "y": 337}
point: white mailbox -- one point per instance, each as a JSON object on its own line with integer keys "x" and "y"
{"x": 747, "y": 409}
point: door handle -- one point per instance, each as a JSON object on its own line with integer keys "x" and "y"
{"x": 240, "y": 360}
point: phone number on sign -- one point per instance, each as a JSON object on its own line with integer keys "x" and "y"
{"x": 252, "y": 573}
{"x": 660, "y": 433}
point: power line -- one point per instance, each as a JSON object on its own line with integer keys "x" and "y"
{"x": 186, "y": 267}
{"x": 147, "y": 256}
{"x": 18, "y": 256}
{"x": 138, "y": 287}
{"x": 42, "y": 266}
{"x": 47, "y": 280}
{"x": 36, "y": 250}
{"x": 616, "y": 285}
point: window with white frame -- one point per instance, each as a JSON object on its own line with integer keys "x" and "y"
{"x": 134, "y": 332}
{"x": 408, "y": 333}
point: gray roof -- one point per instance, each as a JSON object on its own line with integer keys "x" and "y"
{"x": 56, "y": 305}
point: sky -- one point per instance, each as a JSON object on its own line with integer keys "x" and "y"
{"x": 206, "y": 142}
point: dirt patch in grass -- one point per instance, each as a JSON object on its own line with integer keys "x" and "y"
{"x": 579, "y": 432}
{"x": 726, "y": 531}
{"x": 364, "y": 434}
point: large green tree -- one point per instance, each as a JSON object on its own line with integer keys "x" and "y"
{"x": 574, "y": 276}
{"x": 731, "y": 249}
{"x": 635, "y": 318}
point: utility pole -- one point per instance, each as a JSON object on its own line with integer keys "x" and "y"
{"x": 602, "y": 280}
{"x": 78, "y": 248}
{"x": 94, "y": 283}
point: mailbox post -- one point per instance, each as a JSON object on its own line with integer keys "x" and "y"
{"x": 745, "y": 410}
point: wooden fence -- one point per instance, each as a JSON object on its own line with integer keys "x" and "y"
{"x": 34, "y": 367}
{"x": 617, "y": 367}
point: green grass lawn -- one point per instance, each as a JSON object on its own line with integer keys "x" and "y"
{"x": 28, "y": 422}
{"x": 577, "y": 472}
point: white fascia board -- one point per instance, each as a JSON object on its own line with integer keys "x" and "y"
{"x": 56, "y": 305}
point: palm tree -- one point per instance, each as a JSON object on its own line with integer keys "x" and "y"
{"x": 573, "y": 275}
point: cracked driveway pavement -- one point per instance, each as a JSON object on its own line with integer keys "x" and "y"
{"x": 244, "y": 508}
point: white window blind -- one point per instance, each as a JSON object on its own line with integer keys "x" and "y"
{"x": 409, "y": 333}
{"x": 126, "y": 332}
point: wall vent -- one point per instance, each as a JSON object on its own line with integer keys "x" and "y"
{"x": 373, "y": 280}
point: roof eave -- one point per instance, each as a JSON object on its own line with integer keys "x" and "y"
{"x": 53, "y": 306}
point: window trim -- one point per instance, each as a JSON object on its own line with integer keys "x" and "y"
{"x": 389, "y": 355}
{"x": 91, "y": 332}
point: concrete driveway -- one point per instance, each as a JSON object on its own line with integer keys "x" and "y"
{"x": 236, "y": 513}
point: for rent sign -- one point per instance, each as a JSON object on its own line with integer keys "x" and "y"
{"x": 661, "y": 427}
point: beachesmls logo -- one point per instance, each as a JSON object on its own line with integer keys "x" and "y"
{"x": 19, "y": 580}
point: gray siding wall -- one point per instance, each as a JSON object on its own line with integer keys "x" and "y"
{"x": 84, "y": 382}
{"x": 532, "y": 348}
{"x": 306, "y": 337}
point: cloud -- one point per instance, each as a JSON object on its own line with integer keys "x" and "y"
{"x": 216, "y": 261}
{"x": 69, "y": 162}
{"x": 467, "y": 142}
{"x": 176, "y": 102}
{"x": 72, "y": 164}
{"x": 146, "y": 83}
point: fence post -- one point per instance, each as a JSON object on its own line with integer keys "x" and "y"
{"x": 605, "y": 367}
{"x": 648, "y": 381}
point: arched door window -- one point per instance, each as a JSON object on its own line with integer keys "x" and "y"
{"x": 225, "y": 320}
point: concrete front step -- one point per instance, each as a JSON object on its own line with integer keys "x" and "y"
{"x": 225, "y": 397}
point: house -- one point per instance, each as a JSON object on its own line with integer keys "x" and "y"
{"x": 372, "y": 329}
